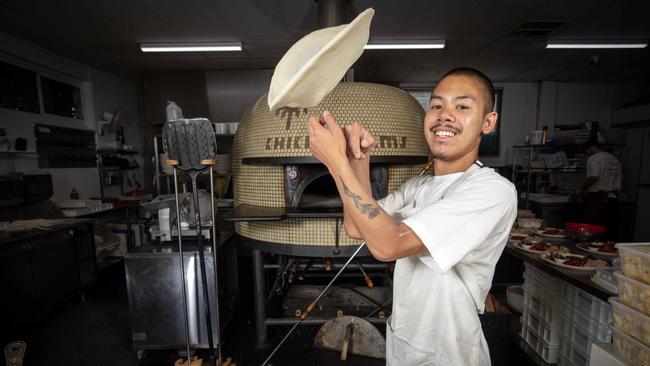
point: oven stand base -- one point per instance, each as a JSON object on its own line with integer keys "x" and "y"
{"x": 370, "y": 302}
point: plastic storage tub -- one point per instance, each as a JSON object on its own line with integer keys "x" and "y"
{"x": 631, "y": 350}
{"x": 581, "y": 338}
{"x": 585, "y": 308}
{"x": 631, "y": 321}
{"x": 547, "y": 352}
{"x": 633, "y": 293}
{"x": 605, "y": 278}
{"x": 635, "y": 260}
{"x": 548, "y": 332}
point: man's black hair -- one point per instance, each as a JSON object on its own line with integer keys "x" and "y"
{"x": 488, "y": 93}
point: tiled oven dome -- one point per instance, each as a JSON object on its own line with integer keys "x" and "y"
{"x": 391, "y": 114}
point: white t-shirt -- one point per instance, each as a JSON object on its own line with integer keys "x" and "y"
{"x": 437, "y": 295}
{"x": 607, "y": 168}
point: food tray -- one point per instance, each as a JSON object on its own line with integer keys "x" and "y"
{"x": 631, "y": 321}
{"x": 635, "y": 260}
{"x": 546, "y": 257}
{"x": 546, "y": 351}
{"x": 551, "y": 283}
{"x": 605, "y": 278}
{"x": 587, "y": 248}
{"x": 633, "y": 293}
{"x": 631, "y": 350}
{"x": 529, "y": 222}
{"x": 592, "y": 310}
{"x": 515, "y": 298}
{"x": 580, "y": 339}
{"x": 579, "y": 328}
{"x": 549, "y": 332}
{"x": 571, "y": 356}
{"x": 545, "y": 305}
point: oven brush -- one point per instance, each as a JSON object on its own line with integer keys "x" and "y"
{"x": 310, "y": 307}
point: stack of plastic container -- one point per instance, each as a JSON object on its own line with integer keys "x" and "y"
{"x": 586, "y": 319}
{"x": 541, "y": 320}
{"x": 631, "y": 331}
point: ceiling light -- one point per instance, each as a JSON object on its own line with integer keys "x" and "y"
{"x": 408, "y": 45}
{"x": 191, "y": 47}
{"x": 596, "y": 44}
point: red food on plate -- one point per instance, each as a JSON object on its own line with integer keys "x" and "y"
{"x": 551, "y": 231}
{"x": 517, "y": 237}
{"x": 608, "y": 247}
{"x": 540, "y": 247}
{"x": 576, "y": 261}
{"x": 596, "y": 263}
{"x": 532, "y": 240}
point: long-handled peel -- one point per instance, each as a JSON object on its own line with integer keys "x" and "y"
{"x": 310, "y": 307}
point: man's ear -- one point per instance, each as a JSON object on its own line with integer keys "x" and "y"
{"x": 489, "y": 122}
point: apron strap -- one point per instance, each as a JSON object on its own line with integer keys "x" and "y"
{"x": 468, "y": 173}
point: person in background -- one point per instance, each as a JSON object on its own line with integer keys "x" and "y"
{"x": 446, "y": 231}
{"x": 601, "y": 188}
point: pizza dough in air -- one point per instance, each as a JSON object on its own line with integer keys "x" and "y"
{"x": 315, "y": 64}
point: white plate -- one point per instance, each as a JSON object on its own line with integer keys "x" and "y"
{"x": 554, "y": 236}
{"x": 523, "y": 237}
{"x": 595, "y": 251}
{"x": 575, "y": 268}
{"x": 525, "y": 248}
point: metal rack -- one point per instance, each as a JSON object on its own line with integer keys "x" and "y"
{"x": 104, "y": 169}
{"x": 530, "y": 171}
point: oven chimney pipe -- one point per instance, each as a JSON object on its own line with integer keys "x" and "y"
{"x": 331, "y": 12}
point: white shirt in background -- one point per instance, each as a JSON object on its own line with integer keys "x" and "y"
{"x": 437, "y": 295}
{"x": 607, "y": 168}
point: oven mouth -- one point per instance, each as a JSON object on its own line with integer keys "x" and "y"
{"x": 320, "y": 192}
{"x": 310, "y": 186}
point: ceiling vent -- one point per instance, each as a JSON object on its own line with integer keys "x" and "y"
{"x": 536, "y": 28}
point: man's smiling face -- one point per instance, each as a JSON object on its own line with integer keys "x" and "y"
{"x": 456, "y": 117}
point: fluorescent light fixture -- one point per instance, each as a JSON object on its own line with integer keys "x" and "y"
{"x": 406, "y": 45}
{"x": 191, "y": 47}
{"x": 596, "y": 44}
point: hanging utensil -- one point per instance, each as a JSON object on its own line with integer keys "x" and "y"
{"x": 191, "y": 147}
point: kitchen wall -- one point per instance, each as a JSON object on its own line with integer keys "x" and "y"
{"x": 186, "y": 88}
{"x": 101, "y": 91}
{"x": 518, "y": 109}
{"x": 224, "y": 95}
{"x": 558, "y": 104}
{"x": 232, "y": 92}
{"x": 219, "y": 95}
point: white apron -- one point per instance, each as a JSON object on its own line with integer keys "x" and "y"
{"x": 458, "y": 342}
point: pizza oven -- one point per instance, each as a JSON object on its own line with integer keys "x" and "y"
{"x": 285, "y": 200}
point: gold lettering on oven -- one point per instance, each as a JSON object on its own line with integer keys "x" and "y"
{"x": 287, "y": 143}
{"x": 392, "y": 142}
{"x": 298, "y": 142}
{"x": 289, "y": 113}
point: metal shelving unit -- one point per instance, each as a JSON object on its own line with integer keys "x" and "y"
{"x": 110, "y": 169}
{"x": 530, "y": 171}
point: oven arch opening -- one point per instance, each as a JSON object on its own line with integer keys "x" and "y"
{"x": 320, "y": 192}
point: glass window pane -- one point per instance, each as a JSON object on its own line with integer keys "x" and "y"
{"x": 61, "y": 99}
{"x": 18, "y": 89}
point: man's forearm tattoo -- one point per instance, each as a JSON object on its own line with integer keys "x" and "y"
{"x": 365, "y": 208}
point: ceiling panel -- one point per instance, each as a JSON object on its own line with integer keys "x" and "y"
{"x": 106, "y": 35}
